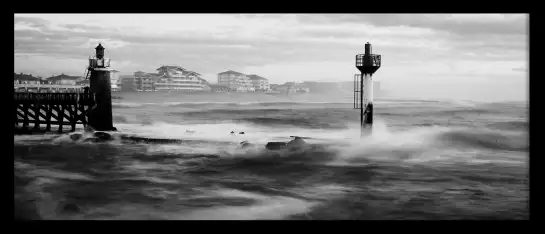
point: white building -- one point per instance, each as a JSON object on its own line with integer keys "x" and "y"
{"x": 63, "y": 79}
{"x": 115, "y": 82}
{"x": 236, "y": 81}
{"x": 176, "y": 78}
{"x": 259, "y": 83}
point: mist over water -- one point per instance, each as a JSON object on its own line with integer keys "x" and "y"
{"x": 426, "y": 159}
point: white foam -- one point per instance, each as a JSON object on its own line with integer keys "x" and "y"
{"x": 265, "y": 207}
{"x": 221, "y": 132}
{"x": 325, "y": 191}
{"x": 56, "y": 174}
{"x": 382, "y": 143}
{"x": 130, "y": 104}
{"x": 272, "y": 209}
{"x": 209, "y": 149}
{"x": 152, "y": 179}
{"x": 23, "y": 139}
{"x": 141, "y": 167}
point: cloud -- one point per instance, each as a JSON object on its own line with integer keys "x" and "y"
{"x": 416, "y": 48}
{"x": 458, "y": 23}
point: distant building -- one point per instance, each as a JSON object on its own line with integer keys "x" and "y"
{"x": 300, "y": 88}
{"x": 64, "y": 79}
{"x": 219, "y": 88}
{"x": 235, "y": 81}
{"x": 83, "y": 82}
{"x": 115, "y": 82}
{"x": 128, "y": 83}
{"x": 291, "y": 87}
{"x": 284, "y": 88}
{"x": 259, "y": 83}
{"x": 176, "y": 78}
{"x": 140, "y": 73}
{"x": 25, "y": 79}
{"x": 145, "y": 81}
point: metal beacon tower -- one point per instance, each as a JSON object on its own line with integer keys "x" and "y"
{"x": 368, "y": 64}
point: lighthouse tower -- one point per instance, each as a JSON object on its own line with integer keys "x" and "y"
{"x": 368, "y": 64}
{"x": 100, "y": 116}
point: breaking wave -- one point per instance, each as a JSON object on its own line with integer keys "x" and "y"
{"x": 196, "y": 169}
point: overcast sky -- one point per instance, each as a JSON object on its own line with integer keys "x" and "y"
{"x": 470, "y": 57}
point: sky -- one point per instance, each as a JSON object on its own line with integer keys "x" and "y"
{"x": 481, "y": 57}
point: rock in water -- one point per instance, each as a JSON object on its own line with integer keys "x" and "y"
{"x": 68, "y": 208}
{"x": 75, "y": 136}
{"x": 275, "y": 145}
{"x": 102, "y": 136}
{"x": 71, "y": 208}
{"x": 88, "y": 128}
{"x": 297, "y": 142}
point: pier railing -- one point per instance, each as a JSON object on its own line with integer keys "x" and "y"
{"x": 372, "y": 60}
{"x": 53, "y": 98}
{"x": 51, "y": 86}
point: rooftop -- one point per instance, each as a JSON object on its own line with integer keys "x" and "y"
{"x": 232, "y": 72}
{"x": 171, "y": 67}
{"x": 195, "y": 73}
{"x": 26, "y": 77}
{"x": 63, "y": 77}
{"x": 256, "y": 77}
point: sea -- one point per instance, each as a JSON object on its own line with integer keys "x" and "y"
{"x": 423, "y": 160}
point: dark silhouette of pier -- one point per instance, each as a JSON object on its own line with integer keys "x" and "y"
{"x": 51, "y": 109}
{"x": 92, "y": 109}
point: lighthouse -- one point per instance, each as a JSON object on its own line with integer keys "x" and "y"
{"x": 368, "y": 64}
{"x": 100, "y": 116}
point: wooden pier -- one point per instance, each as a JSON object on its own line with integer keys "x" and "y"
{"x": 52, "y": 109}
{"x": 92, "y": 108}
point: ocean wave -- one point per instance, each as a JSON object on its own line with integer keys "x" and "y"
{"x": 221, "y": 132}
{"x": 215, "y": 143}
{"x": 485, "y": 140}
{"x": 510, "y": 125}
{"x": 119, "y": 119}
{"x": 225, "y": 104}
{"x": 127, "y": 105}
{"x": 302, "y": 122}
{"x": 478, "y": 111}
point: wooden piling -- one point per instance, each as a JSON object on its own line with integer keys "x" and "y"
{"x": 25, "y": 110}
{"x": 29, "y": 106}
{"x": 37, "y": 113}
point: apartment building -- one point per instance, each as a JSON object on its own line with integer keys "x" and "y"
{"x": 63, "y": 79}
{"x": 259, "y": 83}
{"x": 25, "y": 79}
{"x": 115, "y": 82}
{"x": 146, "y": 81}
{"x": 235, "y": 81}
{"x": 128, "y": 83}
{"x": 176, "y": 78}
